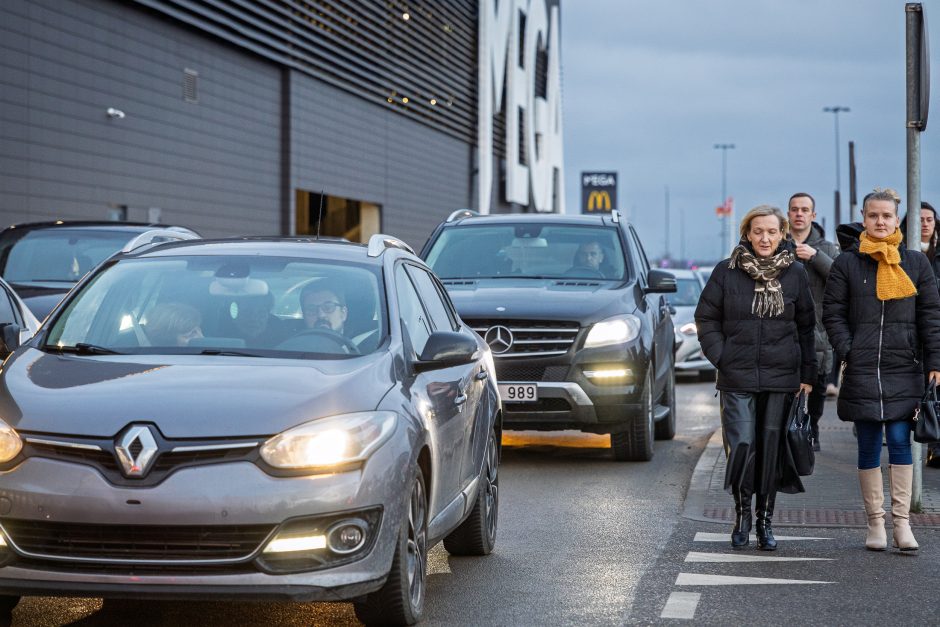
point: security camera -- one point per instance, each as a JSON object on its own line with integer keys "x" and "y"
{"x": 115, "y": 113}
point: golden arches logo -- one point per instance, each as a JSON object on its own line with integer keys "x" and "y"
{"x": 598, "y": 201}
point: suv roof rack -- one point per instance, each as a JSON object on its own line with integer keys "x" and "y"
{"x": 615, "y": 216}
{"x": 379, "y": 243}
{"x": 461, "y": 213}
{"x": 158, "y": 236}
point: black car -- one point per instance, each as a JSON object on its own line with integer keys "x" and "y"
{"x": 577, "y": 321}
{"x": 43, "y": 260}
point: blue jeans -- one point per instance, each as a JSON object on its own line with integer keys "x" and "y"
{"x": 898, "y": 435}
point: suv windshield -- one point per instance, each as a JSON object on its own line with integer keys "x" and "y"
{"x": 687, "y": 293}
{"x": 528, "y": 251}
{"x": 259, "y": 306}
{"x": 60, "y": 255}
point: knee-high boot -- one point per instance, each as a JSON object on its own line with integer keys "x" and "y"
{"x": 765, "y": 512}
{"x": 740, "y": 536}
{"x": 901, "y": 479}
{"x": 873, "y": 494}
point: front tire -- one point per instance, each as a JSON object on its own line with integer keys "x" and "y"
{"x": 635, "y": 444}
{"x": 666, "y": 428}
{"x": 401, "y": 600}
{"x": 477, "y": 534}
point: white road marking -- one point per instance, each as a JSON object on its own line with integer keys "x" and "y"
{"x": 681, "y": 605}
{"x": 694, "y": 579}
{"x": 695, "y": 556}
{"x": 702, "y": 536}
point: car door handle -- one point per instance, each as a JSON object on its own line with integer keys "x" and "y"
{"x": 460, "y": 399}
{"x": 481, "y": 375}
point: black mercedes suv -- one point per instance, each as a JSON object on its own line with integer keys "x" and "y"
{"x": 577, "y": 321}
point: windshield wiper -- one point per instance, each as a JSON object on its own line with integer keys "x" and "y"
{"x": 82, "y": 348}
{"x": 227, "y": 352}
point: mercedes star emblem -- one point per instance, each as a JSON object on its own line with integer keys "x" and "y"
{"x": 499, "y": 339}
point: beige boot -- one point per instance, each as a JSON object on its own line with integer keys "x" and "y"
{"x": 873, "y": 493}
{"x": 901, "y": 479}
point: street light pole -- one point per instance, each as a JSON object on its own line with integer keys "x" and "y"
{"x": 835, "y": 110}
{"x": 727, "y": 220}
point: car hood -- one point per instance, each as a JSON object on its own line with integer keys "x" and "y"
{"x": 585, "y": 300}
{"x": 41, "y": 300}
{"x": 185, "y": 396}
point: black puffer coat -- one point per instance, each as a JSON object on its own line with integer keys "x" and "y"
{"x": 881, "y": 343}
{"x": 752, "y": 354}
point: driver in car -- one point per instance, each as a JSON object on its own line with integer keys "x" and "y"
{"x": 324, "y": 307}
{"x": 589, "y": 257}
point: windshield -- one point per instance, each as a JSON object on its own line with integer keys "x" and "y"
{"x": 60, "y": 255}
{"x": 687, "y": 293}
{"x": 257, "y": 306}
{"x": 528, "y": 251}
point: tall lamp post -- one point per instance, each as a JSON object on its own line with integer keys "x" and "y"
{"x": 835, "y": 111}
{"x": 727, "y": 219}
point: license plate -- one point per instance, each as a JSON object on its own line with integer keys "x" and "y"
{"x": 519, "y": 392}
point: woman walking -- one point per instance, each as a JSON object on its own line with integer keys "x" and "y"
{"x": 880, "y": 311}
{"x": 755, "y": 322}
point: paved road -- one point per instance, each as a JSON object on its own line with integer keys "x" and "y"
{"x": 578, "y": 533}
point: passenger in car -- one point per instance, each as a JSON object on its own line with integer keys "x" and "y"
{"x": 254, "y": 322}
{"x": 173, "y": 324}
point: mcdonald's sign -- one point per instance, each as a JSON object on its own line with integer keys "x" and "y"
{"x": 598, "y": 192}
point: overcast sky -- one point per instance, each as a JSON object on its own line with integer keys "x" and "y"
{"x": 649, "y": 88}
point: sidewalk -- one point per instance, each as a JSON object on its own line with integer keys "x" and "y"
{"x": 832, "y": 497}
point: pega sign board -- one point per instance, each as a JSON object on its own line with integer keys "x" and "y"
{"x": 507, "y": 66}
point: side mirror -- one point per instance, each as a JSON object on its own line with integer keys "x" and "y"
{"x": 9, "y": 339}
{"x": 447, "y": 348}
{"x": 660, "y": 282}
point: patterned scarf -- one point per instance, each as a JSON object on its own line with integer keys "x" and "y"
{"x": 891, "y": 282}
{"x": 768, "y": 293}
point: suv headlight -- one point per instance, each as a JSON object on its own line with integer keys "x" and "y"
{"x": 334, "y": 441}
{"x": 10, "y": 443}
{"x": 616, "y": 330}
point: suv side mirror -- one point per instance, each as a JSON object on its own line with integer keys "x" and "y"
{"x": 660, "y": 282}
{"x": 9, "y": 339}
{"x": 447, "y": 348}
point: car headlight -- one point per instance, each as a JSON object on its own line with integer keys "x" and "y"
{"x": 327, "y": 442}
{"x": 613, "y": 331}
{"x": 688, "y": 328}
{"x": 10, "y": 443}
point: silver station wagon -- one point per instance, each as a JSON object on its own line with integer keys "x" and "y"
{"x": 254, "y": 418}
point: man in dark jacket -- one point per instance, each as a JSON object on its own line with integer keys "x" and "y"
{"x": 817, "y": 254}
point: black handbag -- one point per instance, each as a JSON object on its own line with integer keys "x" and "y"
{"x": 927, "y": 416}
{"x": 800, "y": 436}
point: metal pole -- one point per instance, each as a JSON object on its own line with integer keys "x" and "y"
{"x": 726, "y": 220}
{"x": 667, "y": 221}
{"x": 837, "y": 199}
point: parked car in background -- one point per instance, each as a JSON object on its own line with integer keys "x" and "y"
{"x": 577, "y": 321}
{"x": 43, "y": 260}
{"x": 689, "y": 357}
{"x": 255, "y": 418}
{"x": 17, "y": 322}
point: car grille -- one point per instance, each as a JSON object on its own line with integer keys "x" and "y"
{"x": 532, "y": 338}
{"x": 135, "y": 542}
{"x": 512, "y": 371}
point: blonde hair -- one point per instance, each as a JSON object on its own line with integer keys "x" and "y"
{"x": 760, "y": 211}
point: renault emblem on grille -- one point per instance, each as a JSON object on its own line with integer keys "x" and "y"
{"x": 499, "y": 339}
{"x": 136, "y": 449}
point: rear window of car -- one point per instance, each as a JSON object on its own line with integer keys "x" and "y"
{"x": 60, "y": 255}
{"x": 528, "y": 250}
{"x": 687, "y": 293}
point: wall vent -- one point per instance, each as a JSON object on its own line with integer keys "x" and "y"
{"x": 190, "y": 85}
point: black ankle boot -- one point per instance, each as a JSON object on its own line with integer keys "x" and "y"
{"x": 765, "y": 532}
{"x": 740, "y": 536}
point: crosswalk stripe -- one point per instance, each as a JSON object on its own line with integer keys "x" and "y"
{"x": 695, "y": 579}
{"x": 695, "y": 556}
{"x": 702, "y": 536}
{"x": 681, "y": 605}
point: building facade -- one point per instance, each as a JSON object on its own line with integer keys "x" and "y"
{"x": 279, "y": 116}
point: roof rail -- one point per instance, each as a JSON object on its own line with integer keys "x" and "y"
{"x": 379, "y": 243}
{"x": 158, "y": 236}
{"x": 615, "y": 216}
{"x": 461, "y": 213}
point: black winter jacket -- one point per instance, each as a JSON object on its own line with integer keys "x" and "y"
{"x": 881, "y": 343}
{"x": 755, "y": 354}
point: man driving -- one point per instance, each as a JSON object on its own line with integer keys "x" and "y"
{"x": 324, "y": 307}
{"x": 589, "y": 257}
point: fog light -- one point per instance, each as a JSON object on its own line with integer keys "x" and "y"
{"x": 609, "y": 374}
{"x": 347, "y": 536}
{"x": 296, "y": 543}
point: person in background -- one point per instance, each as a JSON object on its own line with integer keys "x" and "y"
{"x": 755, "y": 321}
{"x": 880, "y": 311}
{"x": 817, "y": 254}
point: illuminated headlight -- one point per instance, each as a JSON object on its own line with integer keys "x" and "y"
{"x": 10, "y": 443}
{"x": 688, "y": 329}
{"x": 327, "y": 442}
{"x": 612, "y": 374}
{"x": 617, "y": 330}
{"x": 297, "y": 543}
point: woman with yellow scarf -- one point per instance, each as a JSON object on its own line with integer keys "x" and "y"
{"x": 880, "y": 311}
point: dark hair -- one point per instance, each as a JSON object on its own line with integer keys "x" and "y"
{"x": 926, "y": 205}
{"x": 802, "y": 195}
{"x": 324, "y": 285}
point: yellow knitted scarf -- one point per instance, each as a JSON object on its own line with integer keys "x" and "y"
{"x": 892, "y": 283}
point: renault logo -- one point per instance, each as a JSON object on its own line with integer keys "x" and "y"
{"x": 499, "y": 339}
{"x": 136, "y": 450}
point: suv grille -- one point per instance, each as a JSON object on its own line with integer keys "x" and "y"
{"x": 513, "y": 371}
{"x": 532, "y": 338}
